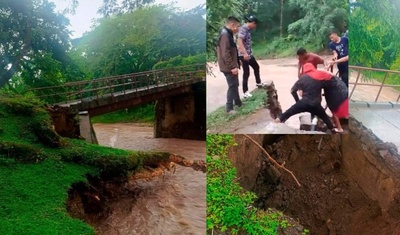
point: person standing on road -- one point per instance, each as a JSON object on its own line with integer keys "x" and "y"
{"x": 340, "y": 48}
{"x": 307, "y": 57}
{"x": 246, "y": 54}
{"x": 228, "y": 62}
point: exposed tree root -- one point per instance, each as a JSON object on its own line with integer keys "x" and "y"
{"x": 282, "y": 166}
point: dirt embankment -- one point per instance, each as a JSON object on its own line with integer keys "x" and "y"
{"x": 350, "y": 183}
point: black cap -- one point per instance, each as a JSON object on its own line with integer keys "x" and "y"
{"x": 251, "y": 18}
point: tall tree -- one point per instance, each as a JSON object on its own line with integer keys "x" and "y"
{"x": 375, "y": 28}
{"x": 134, "y": 42}
{"x": 112, "y": 7}
{"x": 217, "y": 12}
{"x": 319, "y": 18}
{"x": 30, "y": 31}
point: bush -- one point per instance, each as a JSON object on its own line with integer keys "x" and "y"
{"x": 230, "y": 208}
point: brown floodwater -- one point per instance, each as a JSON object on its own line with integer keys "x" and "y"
{"x": 171, "y": 204}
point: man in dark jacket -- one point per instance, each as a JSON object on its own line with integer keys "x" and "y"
{"x": 310, "y": 102}
{"x": 228, "y": 62}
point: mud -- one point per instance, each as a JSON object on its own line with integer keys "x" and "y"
{"x": 154, "y": 201}
{"x": 283, "y": 74}
{"x": 350, "y": 183}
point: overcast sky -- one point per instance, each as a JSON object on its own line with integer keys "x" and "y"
{"x": 87, "y": 10}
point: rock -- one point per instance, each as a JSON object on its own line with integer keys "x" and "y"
{"x": 337, "y": 190}
{"x": 326, "y": 169}
{"x": 299, "y": 228}
{"x": 323, "y": 186}
{"x": 383, "y": 152}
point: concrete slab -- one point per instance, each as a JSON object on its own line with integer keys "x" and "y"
{"x": 355, "y": 104}
{"x": 381, "y": 105}
{"x": 396, "y": 105}
{"x": 384, "y": 123}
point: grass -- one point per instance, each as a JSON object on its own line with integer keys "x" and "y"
{"x": 220, "y": 119}
{"x": 279, "y": 48}
{"x": 33, "y": 196}
{"x": 38, "y": 167}
{"x": 230, "y": 209}
{"x": 143, "y": 113}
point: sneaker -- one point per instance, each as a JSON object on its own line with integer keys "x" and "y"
{"x": 231, "y": 112}
{"x": 247, "y": 95}
{"x": 337, "y": 131}
{"x": 260, "y": 85}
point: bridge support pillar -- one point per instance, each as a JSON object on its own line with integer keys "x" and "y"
{"x": 182, "y": 116}
{"x": 86, "y": 128}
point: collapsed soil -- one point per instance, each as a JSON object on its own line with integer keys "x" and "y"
{"x": 329, "y": 200}
{"x": 153, "y": 201}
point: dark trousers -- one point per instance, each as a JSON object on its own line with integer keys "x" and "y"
{"x": 232, "y": 96}
{"x": 344, "y": 75}
{"x": 304, "y": 106}
{"x": 246, "y": 71}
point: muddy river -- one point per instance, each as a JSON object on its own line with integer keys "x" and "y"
{"x": 171, "y": 204}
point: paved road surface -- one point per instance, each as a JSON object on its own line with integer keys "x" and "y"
{"x": 382, "y": 118}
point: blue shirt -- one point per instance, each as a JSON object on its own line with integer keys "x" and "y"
{"x": 342, "y": 50}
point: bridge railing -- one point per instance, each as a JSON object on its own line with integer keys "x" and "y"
{"x": 121, "y": 84}
{"x": 386, "y": 76}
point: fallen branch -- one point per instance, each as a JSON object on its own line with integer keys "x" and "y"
{"x": 198, "y": 165}
{"x": 282, "y": 166}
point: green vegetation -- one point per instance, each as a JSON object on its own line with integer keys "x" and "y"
{"x": 130, "y": 37}
{"x": 33, "y": 196}
{"x": 284, "y": 25}
{"x": 280, "y": 48}
{"x": 375, "y": 28}
{"x": 377, "y": 45}
{"x": 229, "y": 207}
{"x": 37, "y": 167}
{"x": 179, "y": 61}
{"x": 143, "y": 113}
{"x": 219, "y": 118}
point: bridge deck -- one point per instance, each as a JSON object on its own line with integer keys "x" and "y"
{"x": 383, "y": 118}
{"x": 119, "y": 93}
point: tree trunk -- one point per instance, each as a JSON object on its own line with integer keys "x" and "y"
{"x": 5, "y": 77}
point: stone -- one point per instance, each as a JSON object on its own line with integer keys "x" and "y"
{"x": 383, "y": 152}
{"x": 337, "y": 190}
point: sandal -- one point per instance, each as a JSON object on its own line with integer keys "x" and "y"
{"x": 336, "y": 130}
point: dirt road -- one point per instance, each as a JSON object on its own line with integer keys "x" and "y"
{"x": 283, "y": 72}
{"x": 369, "y": 93}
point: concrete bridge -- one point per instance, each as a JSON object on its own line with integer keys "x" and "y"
{"x": 376, "y": 104}
{"x": 179, "y": 94}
